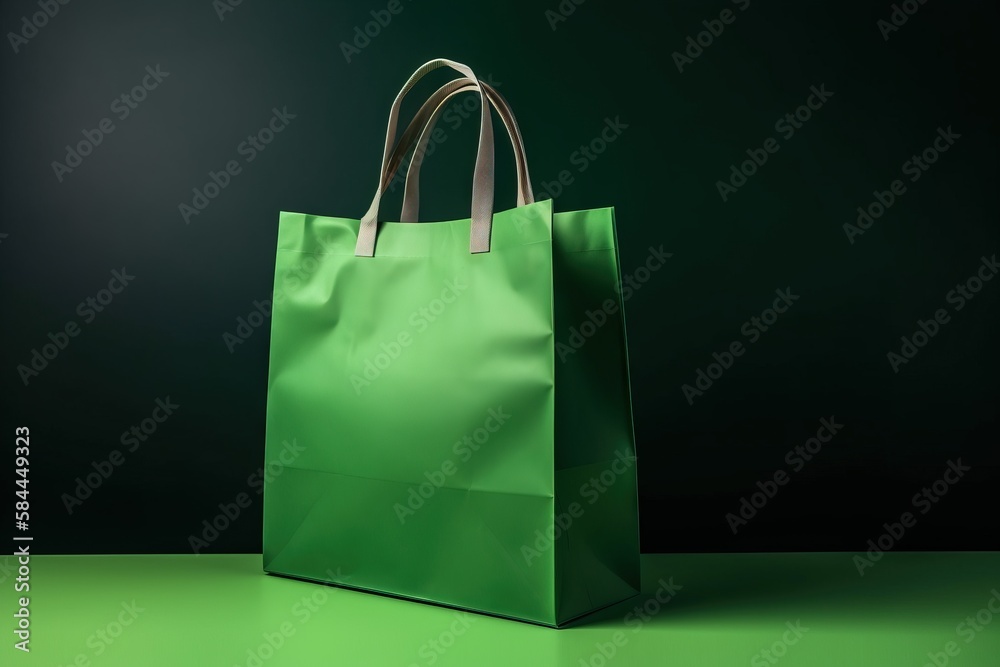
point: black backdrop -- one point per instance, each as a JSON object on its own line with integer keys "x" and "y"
{"x": 885, "y": 94}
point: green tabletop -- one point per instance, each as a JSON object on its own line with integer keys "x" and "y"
{"x": 910, "y": 609}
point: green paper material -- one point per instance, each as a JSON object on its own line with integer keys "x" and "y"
{"x": 443, "y": 415}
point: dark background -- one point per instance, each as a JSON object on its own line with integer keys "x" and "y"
{"x": 162, "y": 336}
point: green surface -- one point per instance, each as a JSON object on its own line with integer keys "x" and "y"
{"x": 217, "y": 610}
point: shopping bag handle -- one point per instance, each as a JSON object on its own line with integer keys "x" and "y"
{"x": 413, "y": 130}
{"x": 482, "y": 186}
{"x": 425, "y": 121}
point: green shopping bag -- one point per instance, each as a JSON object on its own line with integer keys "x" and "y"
{"x": 457, "y": 396}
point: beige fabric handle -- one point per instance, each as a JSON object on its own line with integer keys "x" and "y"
{"x": 427, "y": 118}
{"x": 482, "y": 186}
{"x": 416, "y": 126}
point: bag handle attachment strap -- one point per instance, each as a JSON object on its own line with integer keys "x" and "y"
{"x": 427, "y": 118}
{"x": 482, "y": 187}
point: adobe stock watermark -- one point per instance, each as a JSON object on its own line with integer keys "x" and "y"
{"x": 31, "y": 24}
{"x": 22, "y": 584}
{"x": 636, "y": 620}
{"x": 923, "y": 501}
{"x": 898, "y": 17}
{"x": 914, "y": 168}
{"x": 364, "y": 34}
{"x": 87, "y": 310}
{"x": 463, "y": 449}
{"x": 786, "y": 126}
{"x": 254, "y": 320}
{"x": 752, "y": 330}
{"x": 594, "y": 320}
{"x": 432, "y": 649}
{"x": 967, "y": 630}
{"x": 105, "y": 636}
{"x": 231, "y": 511}
{"x": 455, "y": 115}
{"x": 248, "y": 149}
{"x": 773, "y": 654}
{"x": 131, "y": 440}
{"x": 122, "y": 107}
{"x": 696, "y": 44}
{"x": 592, "y": 491}
{"x": 420, "y": 320}
{"x": 562, "y": 12}
{"x": 302, "y": 611}
{"x": 958, "y": 298}
{"x": 297, "y": 275}
{"x": 8, "y": 568}
{"x": 223, "y": 7}
{"x": 796, "y": 459}
{"x": 583, "y": 157}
